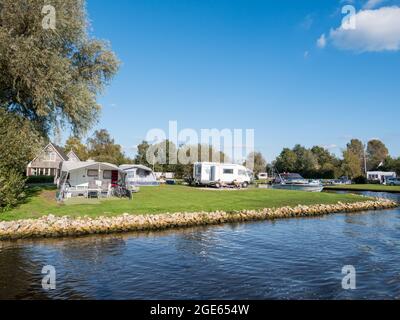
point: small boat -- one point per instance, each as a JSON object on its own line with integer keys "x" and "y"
{"x": 294, "y": 181}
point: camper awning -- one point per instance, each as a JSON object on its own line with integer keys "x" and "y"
{"x": 68, "y": 166}
{"x": 127, "y": 167}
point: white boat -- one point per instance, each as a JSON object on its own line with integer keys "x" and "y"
{"x": 294, "y": 181}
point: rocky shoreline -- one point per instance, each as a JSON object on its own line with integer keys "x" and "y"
{"x": 51, "y": 226}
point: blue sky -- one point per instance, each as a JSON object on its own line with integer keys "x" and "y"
{"x": 251, "y": 64}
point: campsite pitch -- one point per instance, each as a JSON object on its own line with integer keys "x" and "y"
{"x": 41, "y": 201}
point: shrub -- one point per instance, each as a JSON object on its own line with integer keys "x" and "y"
{"x": 40, "y": 179}
{"x": 360, "y": 180}
{"x": 12, "y": 186}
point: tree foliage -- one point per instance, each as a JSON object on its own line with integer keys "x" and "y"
{"x": 316, "y": 162}
{"x": 257, "y": 162}
{"x": 74, "y": 144}
{"x": 52, "y": 77}
{"x": 102, "y": 148}
{"x": 19, "y": 144}
{"x": 376, "y": 154}
{"x": 12, "y": 185}
{"x": 351, "y": 164}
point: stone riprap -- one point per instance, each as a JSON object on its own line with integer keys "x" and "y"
{"x": 51, "y": 226}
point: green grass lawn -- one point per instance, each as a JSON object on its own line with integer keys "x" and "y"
{"x": 365, "y": 187}
{"x": 168, "y": 199}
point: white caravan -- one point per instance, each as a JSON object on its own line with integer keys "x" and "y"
{"x": 220, "y": 174}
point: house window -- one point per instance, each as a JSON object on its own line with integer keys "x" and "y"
{"x": 93, "y": 173}
{"x": 50, "y": 156}
{"x": 107, "y": 174}
{"x": 228, "y": 171}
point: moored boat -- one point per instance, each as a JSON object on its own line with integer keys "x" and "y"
{"x": 294, "y": 181}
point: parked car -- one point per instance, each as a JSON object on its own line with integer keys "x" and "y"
{"x": 393, "y": 182}
{"x": 342, "y": 181}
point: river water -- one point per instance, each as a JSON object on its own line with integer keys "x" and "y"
{"x": 286, "y": 259}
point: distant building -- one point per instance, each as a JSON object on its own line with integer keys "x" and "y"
{"x": 47, "y": 162}
{"x": 164, "y": 175}
{"x": 73, "y": 157}
{"x": 262, "y": 176}
{"x": 380, "y": 176}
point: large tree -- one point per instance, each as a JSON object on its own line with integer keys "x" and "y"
{"x": 376, "y": 154}
{"x": 141, "y": 155}
{"x": 327, "y": 163}
{"x": 306, "y": 161}
{"x": 257, "y": 162}
{"x": 19, "y": 143}
{"x": 74, "y": 144}
{"x": 286, "y": 161}
{"x": 49, "y": 75}
{"x": 101, "y": 147}
{"x": 351, "y": 164}
{"x": 357, "y": 149}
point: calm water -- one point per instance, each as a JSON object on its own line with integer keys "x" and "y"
{"x": 287, "y": 259}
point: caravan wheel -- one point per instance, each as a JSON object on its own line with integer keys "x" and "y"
{"x": 245, "y": 185}
{"x": 218, "y": 185}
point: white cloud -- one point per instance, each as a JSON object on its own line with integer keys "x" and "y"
{"x": 372, "y": 4}
{"x": 376, "y": 30}
{"x": 321, "y": 42}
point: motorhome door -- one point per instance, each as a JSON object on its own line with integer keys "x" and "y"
{"x": 213, "y": 170}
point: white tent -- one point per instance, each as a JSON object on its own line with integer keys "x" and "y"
{"x": 138, "y": 175}
{"x": 75, "y": 173}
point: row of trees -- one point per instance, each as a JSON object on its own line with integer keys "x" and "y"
{"x": 318, "y": 162}
{"x": 99, "y": 147}
{"x": 147, "y": 155}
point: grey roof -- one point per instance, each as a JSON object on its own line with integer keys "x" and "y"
{"x": 68, "y": 166}
{"x": 126, "y": 167}
{"x": 60, "y": 151}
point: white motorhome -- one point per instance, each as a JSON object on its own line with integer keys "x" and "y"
{"x": 220, "y": 174}
{"x": 380, "y": 176}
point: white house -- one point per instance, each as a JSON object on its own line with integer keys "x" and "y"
{"x": 380, "y": 176}
{"x": 47, "y": 161}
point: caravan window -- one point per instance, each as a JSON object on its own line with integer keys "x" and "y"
{"x": 92, "y": 173}
{"x": 242, "y": 172}
{"x": 107, "y": 174}
{"x": 228, "y": 171}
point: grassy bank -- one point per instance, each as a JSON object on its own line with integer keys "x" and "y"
{"x": 365, "y": 187}
{"x": 169, "y": 199}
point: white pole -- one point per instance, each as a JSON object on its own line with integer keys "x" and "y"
{"x": 365, "y": 163}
